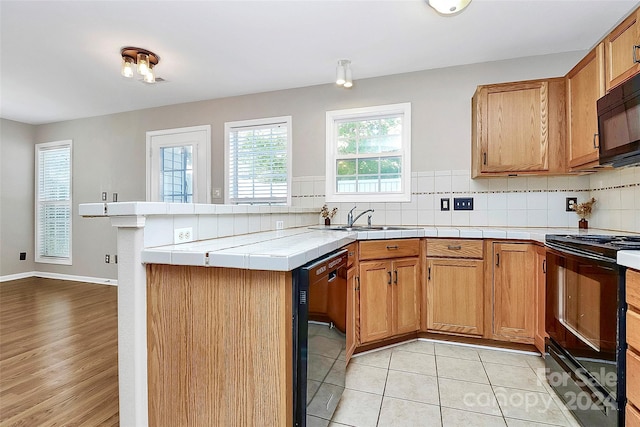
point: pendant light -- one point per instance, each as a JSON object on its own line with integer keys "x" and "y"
{"x": 449, "y": 7}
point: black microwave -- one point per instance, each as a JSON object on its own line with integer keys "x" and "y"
{"x": 619, "y": 124}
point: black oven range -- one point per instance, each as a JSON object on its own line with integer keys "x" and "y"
{"x": 585, "y": 321}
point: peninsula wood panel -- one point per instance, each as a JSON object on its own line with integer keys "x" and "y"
{"x": 219, "y": 347}
{"x": 633, "y": 288}
{"x": 632, "y": 417}
{"x": 585, "y": 85}
{"x": 633, "y": 378}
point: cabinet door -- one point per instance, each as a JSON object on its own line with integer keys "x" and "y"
{"x": 541, "y": 295}
{"x": 352, "y": 311}
{"x": 406, "y": 292}
{"x": 514, "y": 282}
{"x": 515, "y": 131}
{"x": 585, "y": 85}
{"x": 455, "y": 296}
{"x": 375, "y": 300}
{"x": 619, "y": 49}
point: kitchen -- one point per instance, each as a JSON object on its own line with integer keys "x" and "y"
{"x": 441, "y": 158}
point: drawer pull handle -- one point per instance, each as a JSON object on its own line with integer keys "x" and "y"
{"x": 389, "y": 273}
{"x": 392, "y": 247}
{"x": 454, "y": 248}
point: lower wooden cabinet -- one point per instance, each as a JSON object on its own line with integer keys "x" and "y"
{"x": 389, "y": 298}
{"x": 514, "y": 289}
{"x": 455, "y": 296}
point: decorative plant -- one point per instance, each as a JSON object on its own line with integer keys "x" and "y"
{"x": 584, "y": 209}
{"x": 326, "y": 213}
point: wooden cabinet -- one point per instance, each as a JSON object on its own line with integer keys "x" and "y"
{"x": 622, "y": 51}
{"x": 514, "y": 288}
{"x": 389, "y": 289}
{"x": 541, "y": 298}
{"x": 633, "y": 347}
{"x": 584, "y": 86}
{"x": 353, "y": 288}
{"x": 455, "y": 294}
{"x": 519, "y": 128}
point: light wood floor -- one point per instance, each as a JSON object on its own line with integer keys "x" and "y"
{"x": 58, "y": 353}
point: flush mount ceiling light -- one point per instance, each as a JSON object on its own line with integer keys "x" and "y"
{"x": 142, "y": 60}
{"x": 449, "y": 7}
{"x": 343, "y": 73}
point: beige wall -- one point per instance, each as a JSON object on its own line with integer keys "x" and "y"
{"x": 16, "y": 201}
{"x": 109, "y": 151}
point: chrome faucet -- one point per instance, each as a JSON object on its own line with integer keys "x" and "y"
{"x": 351, "y": 219}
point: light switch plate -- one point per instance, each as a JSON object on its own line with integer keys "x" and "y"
{"x": 444, "y": 204}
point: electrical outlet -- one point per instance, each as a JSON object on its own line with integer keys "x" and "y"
{"x": 279, "y": 225}
{"x": 23, "y": 256}
{"x": 571, "y": 203}
{"x": 463, "y": 203}
{"x": 217, "y": 193}
{"x": 104, "y": 196}
{"x": 107, "y": 259}
{"x": 115, "y": 197}
{"x": 444, "y": 204}
{"x": 183, "y": 235}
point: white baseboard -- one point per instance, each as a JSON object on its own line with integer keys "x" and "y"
{"x": 46, "y": 275}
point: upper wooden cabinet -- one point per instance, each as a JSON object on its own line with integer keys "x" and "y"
{"x": 584, "y": 86}
{"x": 519, "y": 128}
{"x": 622, "y": 51}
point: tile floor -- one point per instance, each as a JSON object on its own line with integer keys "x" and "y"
{"x": 426, "y": 383}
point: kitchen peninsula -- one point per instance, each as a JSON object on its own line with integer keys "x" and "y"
{"x": 205, "y": 326}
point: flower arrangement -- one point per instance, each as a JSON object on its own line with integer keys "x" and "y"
{"x": 326, "y": 213}
{"x": 584, "y": 209}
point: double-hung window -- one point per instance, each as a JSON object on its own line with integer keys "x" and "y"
{"x": 53, "y": 202}
{"x": 369, "y": 154}
{"x": 258, "y": 161}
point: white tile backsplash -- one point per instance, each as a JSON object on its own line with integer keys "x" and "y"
{"x": 510, "y": 201}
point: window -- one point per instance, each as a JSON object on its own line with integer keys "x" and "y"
{"x": 369, "y": 154}
{"x": 178, "y": 168}
{"x": 258, "y": 161}
{"x": 53, "y": 202}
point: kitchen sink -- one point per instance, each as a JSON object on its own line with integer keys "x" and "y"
{"x": 367, "y": 228}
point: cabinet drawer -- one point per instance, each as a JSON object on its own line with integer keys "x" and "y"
{"x": 454, "y": 248}
{"x": 632, "y": 417}
{"x": 633, "y": 330}
{"x": 633, "y": 288}
{"x": 393, "y": 248}
{"x": 633, "y": 378}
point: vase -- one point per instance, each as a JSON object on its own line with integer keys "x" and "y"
{"x": 583, "y": 224}
{"x": 327, "y": 221}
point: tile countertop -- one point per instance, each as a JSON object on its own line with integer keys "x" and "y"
{"x": 285, "y": 250}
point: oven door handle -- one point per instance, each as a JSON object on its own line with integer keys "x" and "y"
{"x": 591, "y": 256}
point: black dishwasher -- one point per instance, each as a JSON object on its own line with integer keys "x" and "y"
{"x": 319, "y": 319}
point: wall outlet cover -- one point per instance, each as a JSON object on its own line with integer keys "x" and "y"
{"x": 107, "y": 259}
{"x": 183, "y": 235}
{"x": 571, "y": 203}
{"x": 463, "y": 203}
{"x": 444, "y": 204}
{"x": 279, "y": 225}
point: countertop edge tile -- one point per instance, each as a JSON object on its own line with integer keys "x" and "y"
{"x": 629, "y": 259}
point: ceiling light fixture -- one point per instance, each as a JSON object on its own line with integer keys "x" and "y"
{"x": 449, "y": 7}
{"x": 143, "y": 59}
{"x": 343, "y": 73}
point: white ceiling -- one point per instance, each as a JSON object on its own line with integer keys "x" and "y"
{"x": 61, "y": 60}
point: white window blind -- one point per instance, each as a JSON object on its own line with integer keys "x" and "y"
{"x": 258, "y": 161}
{"x": 53, "y": 202}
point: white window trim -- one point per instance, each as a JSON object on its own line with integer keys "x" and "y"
{"x": 207, "y": 154}
{"x": 257, "y": 122}
{"x": 38, "y": 258}
{"x": 331, "y": 148}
